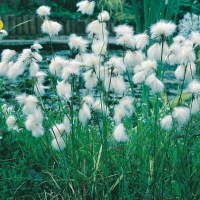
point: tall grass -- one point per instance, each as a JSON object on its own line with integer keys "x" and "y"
{"x": 82, "y": 151}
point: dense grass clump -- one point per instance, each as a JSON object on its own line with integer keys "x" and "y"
{"x": 97, "y": 125}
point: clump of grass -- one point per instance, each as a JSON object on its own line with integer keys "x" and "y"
{"x": 101, "y": 126}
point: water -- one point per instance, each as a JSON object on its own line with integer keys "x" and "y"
{"x": 9, "y": 89}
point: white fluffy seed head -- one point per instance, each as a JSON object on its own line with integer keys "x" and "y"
{"x": 90, "y": 78}
{"x": 89, "y": 100}
{"x": 58, "y": 143}
{"x": 74, "y": 66}
{"x": 119, "y": 113}
{"x": 57, "y": 130}
{"x": 127, "y": 40}
{"x": 40, "y": 76}
{"x": 67, "y": 124}
{"x": 124, "y": 108}
{"x": 127, "y": 102}
{"x": 142, "y": 40}
{"x": 31, "y": 125}
{"x": 4, "y": 68}
{"x": 195, "y": 105}
{"x": 123, "y": 30}
{"x": 117, "y": 62}
{"x": 166, "y": 123}
{"x": 186, "y": 72}
{"x": 154, "y": 52}
{"x": 63, "y": 89}
{"x": 195, "y": 38}
{"x": 162, "y": 28}
{"x": 179, "y": 39}
{"x": 103, "y": 16}
{"x": 179, "y": 72}
{"x": 86, "y": 7}
{"x": 56, "y": 66}
{"x": 99, "y": 48}
{"x": 21, "y": 98}
{"x": 7, "y": 55}
{"x": 99, "y": 105}
{"x": 190, "y": 71}
{"x": 84, "y": 114}
{"x": 36, "y": 46}
{"x": 50, "y": 27}
{"x": 16, "y": 69}
{"x": 97, "y": 30}
{"x": 155, "y": 84}
{"x": 133, "y": 58}
{"x": 139, "y": 77}
{"x": 3, "y": 33}
{"x": 78, "y": 43}
{"x": 186, "y": 55}
{"x": 181, "y": 114}
{"x": 148, "y": 65}
{"x": 34, "y": 68}
{"x": 43, "y": 11}
{"x": 39, "y": 89}
{"x": 119, "y": 133}
{"x": 115, "y": 83}
{"x": 174, "y": 50}
{"x": 194, "y": 86}
{"x": 91, "y": 60}
{"x": 10, "y": 122}
{"x": 31, "y": 100}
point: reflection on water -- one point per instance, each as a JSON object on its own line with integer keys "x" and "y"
{"x": 11, "y": 88}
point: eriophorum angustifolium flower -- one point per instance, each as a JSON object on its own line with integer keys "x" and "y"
{"x": 124, "y": 34}
{"x": 181, "y": 114}
{"x": 167, "y": 122}
{"x": 162, "y": 28}
{"x": 194, "y": 88}
{"x": 39, "y": 88}
{"x": 3, "y": 33}
{"x": 13, "y": 65}
{"x": 28, "y": 57}
{"x": 48, "y": 26}
{"x": 59, "y": 132}
{"x": 123, "y": 109}
{"x": 92, "y": 83}
{"x": 103, "y": 16}
{"x": 119, "y": 133}
{"x": 109, "y": 120}
{"x": 43, "y": 11}
{"x": 86, "y": 7}
{"x": 33, "y": 113}
{"x": 189, "y": 23}
{"x": 10, "y": 118}
{"x": 7, "y": 59}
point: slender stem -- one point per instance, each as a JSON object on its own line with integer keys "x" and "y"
{"x": 180, "y": 95}
{"x": 51, "y": 46}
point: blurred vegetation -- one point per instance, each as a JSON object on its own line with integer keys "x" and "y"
{"x": 59, "y": 8}
{"x": 130, "y": 12}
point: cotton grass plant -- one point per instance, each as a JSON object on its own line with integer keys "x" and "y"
{"x": 111, "y": 132}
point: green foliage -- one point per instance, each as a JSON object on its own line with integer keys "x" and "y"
{"x": 64, "y": 9}
{"x": 111, "y": 5}
{"x": 148, "y": 12}
{"x": 153, "y": 164}
{"x": 61, "y": 9}
{"x": 126, "y": 16}
{"x": 6, "y": 9}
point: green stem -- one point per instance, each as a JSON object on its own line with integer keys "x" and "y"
{"x": 137, "y": 16}
{"x": 180, "y": 95}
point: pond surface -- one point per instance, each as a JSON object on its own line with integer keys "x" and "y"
{"x": 11, "y": 88}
